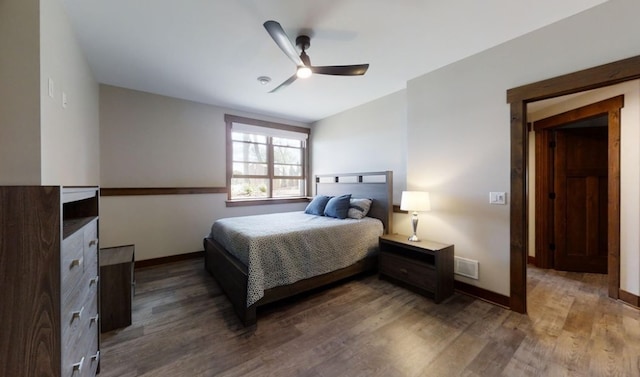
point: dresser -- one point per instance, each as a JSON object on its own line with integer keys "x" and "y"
{"x": 424, "y": 266}
{"x": 49, "y": 279}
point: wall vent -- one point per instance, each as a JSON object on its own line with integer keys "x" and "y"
{"x": 466, "y": 267}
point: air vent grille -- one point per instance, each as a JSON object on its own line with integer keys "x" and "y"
{"x": 466, "y": 267}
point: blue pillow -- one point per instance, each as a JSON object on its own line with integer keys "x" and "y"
{"x": 338, "y": 206}
{"x": 316, "y": 207}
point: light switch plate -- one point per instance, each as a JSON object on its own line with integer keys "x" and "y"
{"x": 50, "y": 87}
{"x": 498, "y": 198}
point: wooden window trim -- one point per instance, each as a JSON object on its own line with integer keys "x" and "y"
{"x": 229, "y": 120}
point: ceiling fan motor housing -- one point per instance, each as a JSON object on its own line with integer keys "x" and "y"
{"x": 303, "y": 42}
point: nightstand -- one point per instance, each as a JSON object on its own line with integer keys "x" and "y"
{"x": 424, "y": 266}
{"x": 117, "y": 286}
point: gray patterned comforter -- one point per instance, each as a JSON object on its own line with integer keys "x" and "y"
{"x": 283, "y": 248}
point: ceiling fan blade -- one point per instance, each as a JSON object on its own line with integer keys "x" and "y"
{"x": 341, "y": 70}
{"x": 282, "y": 40}
{"x": 284, "y": 84}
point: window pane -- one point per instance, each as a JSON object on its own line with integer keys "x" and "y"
{"x": 287, "y": 170}
{"x": 247, "y": 188}
{"x": 241, "y": 136}
{"x": 286, "y": 155}
{"x": 287, "y": 142}
{"x": 249, "y": 168}
{"x": 249, "y": 152}
{"x": 288, "y": 187}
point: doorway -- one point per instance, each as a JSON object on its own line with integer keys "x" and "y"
{"x": 574, "y": 199}
{"x": 518, "y": 98}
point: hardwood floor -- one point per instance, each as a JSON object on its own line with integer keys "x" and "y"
{"x": 184, "y": 326}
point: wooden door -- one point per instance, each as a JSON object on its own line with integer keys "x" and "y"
{"x": 580, "y": 176}
{"x": 548, "y": 201}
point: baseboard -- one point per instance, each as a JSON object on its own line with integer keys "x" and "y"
{"x": 629, "y": 298}
{"x": 531, "y": 260}
{"x": 171, "y": 258}
{"x": 482, "y": 294}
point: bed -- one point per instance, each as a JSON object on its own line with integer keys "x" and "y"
{"x": 249, "y": 285}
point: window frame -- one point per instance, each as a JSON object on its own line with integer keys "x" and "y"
{"x": 229, "y": 121}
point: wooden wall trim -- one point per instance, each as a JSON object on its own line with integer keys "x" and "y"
{"x": 629, "y": 298}
{"x": 587, "y": 79}
{"x": 132, "y": 191}
{"x": 481, "y": 293}
{"x": 531, "y": 260}
{"x": 518, "y": 231}
{"x": 396, "y": 209}
{"x": 169, "y": 259}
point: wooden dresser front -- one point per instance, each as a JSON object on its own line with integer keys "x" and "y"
{"x": 49, "y": 279}
{"x": 79, "y": 319}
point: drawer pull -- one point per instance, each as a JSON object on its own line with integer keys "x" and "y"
{"x": 94, "y": 280}
{"x": 404, "y": 271}
{"x": 94, "y": 318}
{"x": 96, "y": 357}
{"x": 77, "y": 367}
{"x": 93, "y": 242}
{"x": 77, "y": 314}
{"x": 76, "y": 262}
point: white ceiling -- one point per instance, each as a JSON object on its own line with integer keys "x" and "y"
{"x": 212, "y": 51}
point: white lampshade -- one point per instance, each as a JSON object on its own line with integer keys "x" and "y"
{"x": 415, "y": 201}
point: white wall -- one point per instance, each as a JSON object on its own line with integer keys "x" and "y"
{"x": 629, "y": 177}
{"x": 148, "y": 140}
{"x": 69, "y": 135}
{"x": 368, "y": 138}
{"x": 19, "y": 91}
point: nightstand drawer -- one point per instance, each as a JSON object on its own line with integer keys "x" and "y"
{"x": 424, "y": 265}
{"x": 410, "y": 271}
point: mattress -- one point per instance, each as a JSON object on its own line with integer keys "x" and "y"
{"x": 283, "y": 248}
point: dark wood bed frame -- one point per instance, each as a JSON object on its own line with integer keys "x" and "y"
{"x": 231, "y": 274}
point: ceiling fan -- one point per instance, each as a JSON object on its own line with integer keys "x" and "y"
{"x": 303, "y": 63}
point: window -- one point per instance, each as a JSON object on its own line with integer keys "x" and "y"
{"x": 265, "y": 160}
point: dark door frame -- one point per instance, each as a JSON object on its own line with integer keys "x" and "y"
{"x": 611, "y": 107}
{"x": 588, "y": 79}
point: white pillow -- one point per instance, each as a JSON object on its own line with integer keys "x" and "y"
{"x": 358, "y": 208}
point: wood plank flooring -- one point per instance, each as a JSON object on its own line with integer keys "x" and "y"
{"x": 184, "y": 326}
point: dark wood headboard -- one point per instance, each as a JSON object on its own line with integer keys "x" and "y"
{"x": 377, "y": 186}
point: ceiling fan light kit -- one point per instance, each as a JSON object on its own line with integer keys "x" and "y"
{"x": 303, "y": 62}
{"x": 303, "y": 72}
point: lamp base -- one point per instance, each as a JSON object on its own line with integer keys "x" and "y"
{"x": 414, "y": 223}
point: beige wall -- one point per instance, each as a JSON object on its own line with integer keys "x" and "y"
{"x": 629, "y": 167}
{"x": 148, "y": 140}
{"x": 459, "y": 127}
{"x": 41, "y": 143}
{"x": 458, "y": 133}
{"x": 370, "y": 137}
{"x": 19, "y": 91}
{"x": 69, "y": 135}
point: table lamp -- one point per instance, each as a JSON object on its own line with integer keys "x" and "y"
{"x": 415, "y": 201}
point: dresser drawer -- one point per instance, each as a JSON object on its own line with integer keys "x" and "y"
{"x": 72, "y": 261}
{"x": 410, "y": 271}
{"x": 91, "y": 244}
{"x": 79, "y": 318}
{"x": 93, "y": 355}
